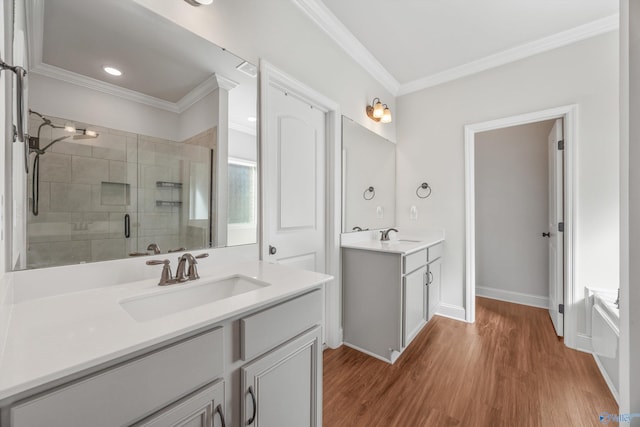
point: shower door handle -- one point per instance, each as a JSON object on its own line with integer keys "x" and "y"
{"x": 127, "y": 226}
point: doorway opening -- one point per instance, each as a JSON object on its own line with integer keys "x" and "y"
{"x": 562, "y": 315}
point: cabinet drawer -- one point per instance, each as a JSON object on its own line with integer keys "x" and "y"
{"x": 435, "y": 252}
{"x": 414, "y": 260}
{"x": 273, "y": 326}
{"x": 121, "y": 395}
{"x": 202, "y": 408}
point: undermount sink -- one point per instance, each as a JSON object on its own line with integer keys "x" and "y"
{"x": 188, "y": 295}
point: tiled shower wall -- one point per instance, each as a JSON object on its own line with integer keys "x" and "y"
{"x": 88, "y": 186}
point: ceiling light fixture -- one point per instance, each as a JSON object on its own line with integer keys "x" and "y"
{"x": 70, "y": 127}
{"x": 378, "y": 111}
{"x": 111, "y": 70}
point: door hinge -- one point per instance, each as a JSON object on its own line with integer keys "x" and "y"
{"x": 561, "y": 226}
{"x": 561, "y": 144}
{"x": 561, "y": 308}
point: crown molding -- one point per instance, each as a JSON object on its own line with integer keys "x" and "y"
{"x": 564, "y": 38}
{"x": 58, "y": 73}
{"x": 214, "y": 82}
{"x": 330, "y": 24}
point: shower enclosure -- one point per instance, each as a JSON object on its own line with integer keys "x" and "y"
{"x": 98, "y": 194}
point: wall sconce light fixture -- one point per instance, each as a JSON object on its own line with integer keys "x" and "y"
{"x": 378, "y": 111}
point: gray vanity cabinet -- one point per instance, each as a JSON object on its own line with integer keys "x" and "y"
{"x": 274, "y": 355}
{"x": 388, "y": 297}
{"x": 281, "y": 387}
{"x": 282, "y": 381}
{"x": 130, "y": 391}
{"x": 414, "y": 292}
{"x": 203, "y": 408}
{"x": 434, "y": 280}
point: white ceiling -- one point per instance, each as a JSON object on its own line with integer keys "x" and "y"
{"x": 415, "y": 39}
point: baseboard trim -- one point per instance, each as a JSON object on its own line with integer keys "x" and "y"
{"x": 451, "y": 311}
{"x": 606, "y": 378}
{"x": 583, "y": 343}
{"x": 368, "y": 353}
{"x": 514, "y": 297}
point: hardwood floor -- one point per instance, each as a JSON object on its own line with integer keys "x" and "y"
{"x": 507, "y": 369}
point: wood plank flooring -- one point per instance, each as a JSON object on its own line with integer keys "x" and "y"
{"x": 507, "y": 369}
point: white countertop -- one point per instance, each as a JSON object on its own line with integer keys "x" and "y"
{"x": 400, "y": 243}
{"x": 52, "y": 337}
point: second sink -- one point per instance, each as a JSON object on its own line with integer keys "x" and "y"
{"x": 187, "y": 296}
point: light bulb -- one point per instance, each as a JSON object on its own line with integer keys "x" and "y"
{"x": 386, "y": 116}
{"x": 378, "y": 110}
{"x": 70, "y": 127}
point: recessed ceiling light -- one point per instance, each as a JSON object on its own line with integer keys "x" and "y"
{"x": 112, "y": 71}
{"x": 251, "y": 119}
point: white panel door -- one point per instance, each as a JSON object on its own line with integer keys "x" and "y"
{"x": 294, "y": 182}
{"x": 556, "y": 238}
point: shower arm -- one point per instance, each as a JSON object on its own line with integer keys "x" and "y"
{"x": 41, "y": 151}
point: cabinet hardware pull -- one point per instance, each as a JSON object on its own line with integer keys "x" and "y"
{"x": 127, "y": 226}
{"x": 272, "y": 250}
{"x": 255, "y": 406}
{"x": 219, "y": 412}
{"x": 430, "y": 277}
{"x": 546, "y": 234}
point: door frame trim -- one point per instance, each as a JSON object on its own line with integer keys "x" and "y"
{"x": 270, "y": 76}
{"x": 569, "y": 114}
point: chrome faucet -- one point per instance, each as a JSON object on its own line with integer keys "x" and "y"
{"x": 154, "y": 247}
{"x": 166, "y": 277}
{"x": 192, "y": 270}
{"x": 385, "y": 234}
{"x": 617, "y": 303}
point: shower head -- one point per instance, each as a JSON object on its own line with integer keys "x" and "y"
{"x": 76, "y": 133}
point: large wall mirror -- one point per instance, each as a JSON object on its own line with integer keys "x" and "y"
{"x": 141, "y": 137}
{"x": 369, "y": 178}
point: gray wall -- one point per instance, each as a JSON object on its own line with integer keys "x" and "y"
{"x": 512, "y": 209}
{"x": 431, "y": 148}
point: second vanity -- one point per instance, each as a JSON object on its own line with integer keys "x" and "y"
{"x": 123, "y": 355}
{"x": 391, "y": 289}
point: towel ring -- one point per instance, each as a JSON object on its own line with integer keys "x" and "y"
{"x": 371, "y": 191}
{"x": 426, "y": 187}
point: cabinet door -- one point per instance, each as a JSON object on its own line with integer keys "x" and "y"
{"x": 204, "y": 408}
{"x": 413, "y": 304}
{"x": 435, "y": 279}
{"x": 284, "y": 386}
